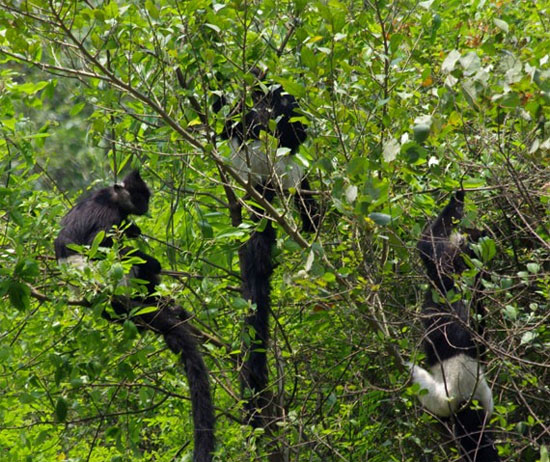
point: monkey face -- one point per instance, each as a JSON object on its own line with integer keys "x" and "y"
{"x": 136, "y": 194}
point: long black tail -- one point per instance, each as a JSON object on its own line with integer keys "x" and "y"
{"x": 308, "y": 208}
{"x": 256, "y": 271}
{"x": 180, "y": 341}
{"x": 476, "y": 444}
{"x": 170, "y": 321}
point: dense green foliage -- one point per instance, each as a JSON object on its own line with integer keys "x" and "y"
{"x": 405, "y": 102}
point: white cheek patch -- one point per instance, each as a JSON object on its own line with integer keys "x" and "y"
{"x": 256, "y": 161}
{"x": 451, "y": 383}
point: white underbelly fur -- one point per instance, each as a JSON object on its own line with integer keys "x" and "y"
{"x": 255, "y": 161}
{"x": 451, "y": 383}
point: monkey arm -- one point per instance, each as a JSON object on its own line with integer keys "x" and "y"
{"x": 132, "y": 231}
{"x": 435, "y": 246}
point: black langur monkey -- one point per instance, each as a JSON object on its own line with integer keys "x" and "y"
{"x": 255, "y": 161}
{"x": 455, "y": 375}
{"x": 102, "y": 211}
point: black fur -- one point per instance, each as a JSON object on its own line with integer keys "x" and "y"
{"x": 101, "y": 211}
{"x": 148, "y": 271}
{"x": 447, "y": 336}
{"x": 170, "y": 321}
{"x": 275, "y": 105}
{"x": 441, "y": 258}
{"x": 308, "y": 208}
{"x": 108, "y": 208}
{"x": 448, "y": 325}
{"x": 256, "y": 273}
{"x": 476, "y": 444}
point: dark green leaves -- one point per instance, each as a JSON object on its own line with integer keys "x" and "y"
{"x": 19, "y": 294}
{"x": 61, "y": 409}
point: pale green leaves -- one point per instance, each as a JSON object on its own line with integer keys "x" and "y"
{"x": 450, "y": 61}
{"x": 391, "y": 149}
{"x": 502, "y": 25}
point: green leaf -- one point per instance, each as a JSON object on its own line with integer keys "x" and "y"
{"x": 293, "y": 87}
{"x": 61, "y": 410}
{"x": 31, "y": 88}
{"x": 511, "y": 312}
{"x": 98, "y": 239}
{"x": 395, "y": 41}
{"x": 117, "y": 271}
{"x": 357, "y": 166}
{"x": 144, "y": 310}
{"x": 77, "y": 108}
{"x": 308, "y": 57}
{"x": 26, "y": 269}
{"x": 130, "y": 329}
{"x": 528, "y": 337}
{"x": 450, "y": 61}
{"x": 8, "y": 123}
{"x": 510, "y": 100}
{"x": 381, "y": 219}
{"x": 19, "y": 295}
{"x": 391, "y": 149}
{"x": 329, "y": 277}
{"x": 124, "y": 162}
{"x": 503, "y": 25}
{"x": 206, "y": 228}
{"x": 488, "y": 249}
{"x": 231, "y": 232}
{"x": 111, "y": 10}
{"x": 5, "y": 353}
{"x": 544, "y": 456}
{"x": 421, "y": 132}
{"x": 152, "y": 9}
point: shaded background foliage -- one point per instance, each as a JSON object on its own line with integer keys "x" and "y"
{"x": 405, "y": 102}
